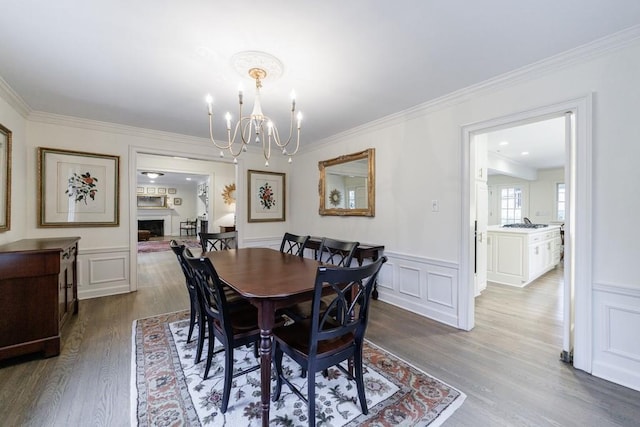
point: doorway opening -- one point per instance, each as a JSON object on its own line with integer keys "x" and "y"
{"x": 191, "y": 192}
{"x": 576, "y": 115}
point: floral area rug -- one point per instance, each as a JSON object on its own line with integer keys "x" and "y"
{"x": 163, "y": 245}
{"x": 167, "y": 387}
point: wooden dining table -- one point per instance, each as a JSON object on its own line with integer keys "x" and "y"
{"x": 270, "y": 280}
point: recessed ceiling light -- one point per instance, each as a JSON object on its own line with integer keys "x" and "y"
{"x": 503, "y": 143}
{"x": 152, "y": 181}
{"x": 188, "y": 179}
{"x": 152, "y": 175}
{"x": 525, "y": 153}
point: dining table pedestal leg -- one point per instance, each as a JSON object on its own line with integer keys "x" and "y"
{"x": 266, "y": 321}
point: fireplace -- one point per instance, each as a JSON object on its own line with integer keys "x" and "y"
{"x": 155, "y": 226}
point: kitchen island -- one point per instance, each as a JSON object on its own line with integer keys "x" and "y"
{"x": 517, "y": 256}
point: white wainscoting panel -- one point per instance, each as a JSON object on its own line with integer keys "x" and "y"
{"x": 409, "y": 283}
{"x": 262, "y": 242}
{"x": 616, "y": 352}
{"x": 386, "y": 276}
{"x": 103, "y": 272}
{"x": 440, "y": 290}
{"x": 425, "y": 286}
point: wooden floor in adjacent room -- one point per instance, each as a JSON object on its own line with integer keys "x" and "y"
{"x": 508, "y": 366}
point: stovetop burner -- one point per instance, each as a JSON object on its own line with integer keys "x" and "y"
{"x": 523, "y": 225}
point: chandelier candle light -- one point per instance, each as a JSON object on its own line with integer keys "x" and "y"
{"x": 256, "y": 125}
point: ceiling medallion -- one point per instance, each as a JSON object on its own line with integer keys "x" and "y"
{"x": 243, "y": 61}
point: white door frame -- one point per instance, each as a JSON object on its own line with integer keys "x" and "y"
{"x": 134, "y": 151}
{"x": 578, "y": 226}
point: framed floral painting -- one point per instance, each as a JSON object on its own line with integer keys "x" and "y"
{"x": 77, "y": 189}
{"x": 267, "y": 200}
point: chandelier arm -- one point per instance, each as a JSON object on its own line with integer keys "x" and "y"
{"x": 278, "y": 140}
{"x": 246, "y": 130}
{"x": 231, "y": 141}
{"x": 221, "y": 147}
{"x": 297, "y": 145}
{"x": 266, "y": 148}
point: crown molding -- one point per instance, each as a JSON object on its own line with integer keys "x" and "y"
{"x": 11, "y": 96}
{"x": 77, "y": 122}
{"x": 581, "y": 54}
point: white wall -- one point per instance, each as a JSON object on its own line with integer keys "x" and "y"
{"x": 419, "y": 160}
{"x": 107, "y": 255}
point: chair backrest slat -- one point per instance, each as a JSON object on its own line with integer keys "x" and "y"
{"x": 336, "y": 252}
{"x": 178, "y": 249}
{"x": 293, "y": 244}
{"x": 218, "y": 241}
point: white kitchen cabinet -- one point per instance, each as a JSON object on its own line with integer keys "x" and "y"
{"x": 521, "y": 255}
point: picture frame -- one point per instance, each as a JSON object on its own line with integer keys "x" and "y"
{"x": 266, "y": 196}
{"x": 78, "y": 189}
{"x": 140, "y": 190}
{"x": 162, "y": 190}
{"x": 171, "y": 190}
{"x": 177, "y": 201}
{"x": 151, "y": 190}
{"x": 5, "y": 179}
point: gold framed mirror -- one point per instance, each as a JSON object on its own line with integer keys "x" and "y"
{"x": 5, "y": 179}
{"x": 347, "y": 185}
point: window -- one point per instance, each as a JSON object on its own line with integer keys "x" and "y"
{"x": 352, "y": 199}
{"x": 560, "y": 201}
{"x": 510, "y": 205}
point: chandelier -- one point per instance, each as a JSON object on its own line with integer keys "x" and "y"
{"x": 256, "y": 127}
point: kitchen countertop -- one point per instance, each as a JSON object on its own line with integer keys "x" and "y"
{"x": 501, "y": 229}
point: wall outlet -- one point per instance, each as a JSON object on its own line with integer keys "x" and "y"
{"x": 435, "y": 206}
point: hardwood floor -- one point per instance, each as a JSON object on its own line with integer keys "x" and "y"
{"x": 508, "y": 366}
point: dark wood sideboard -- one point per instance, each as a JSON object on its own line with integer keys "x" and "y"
{"x": 38, "y": 293}
{"x": 361, "y": 253}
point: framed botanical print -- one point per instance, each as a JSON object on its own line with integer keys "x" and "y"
{"x": 266, "y": 196}
{"x": 77, "y": 189}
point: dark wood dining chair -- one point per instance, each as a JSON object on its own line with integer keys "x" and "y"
{"x": 234, "y": 300}
{"x": 329, "y": 336}
{"x": 334, "y": 252}
{"x": 218, "y": 241}
{"x": 293, "y": 244}
{"x": 231, "y": 328}
{"x": 194, "y": 306}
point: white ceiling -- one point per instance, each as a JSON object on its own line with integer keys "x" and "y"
{"x": 150, "y": 63}
{"x": 543, "y": 143}
{"x": 170, "y": 179}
